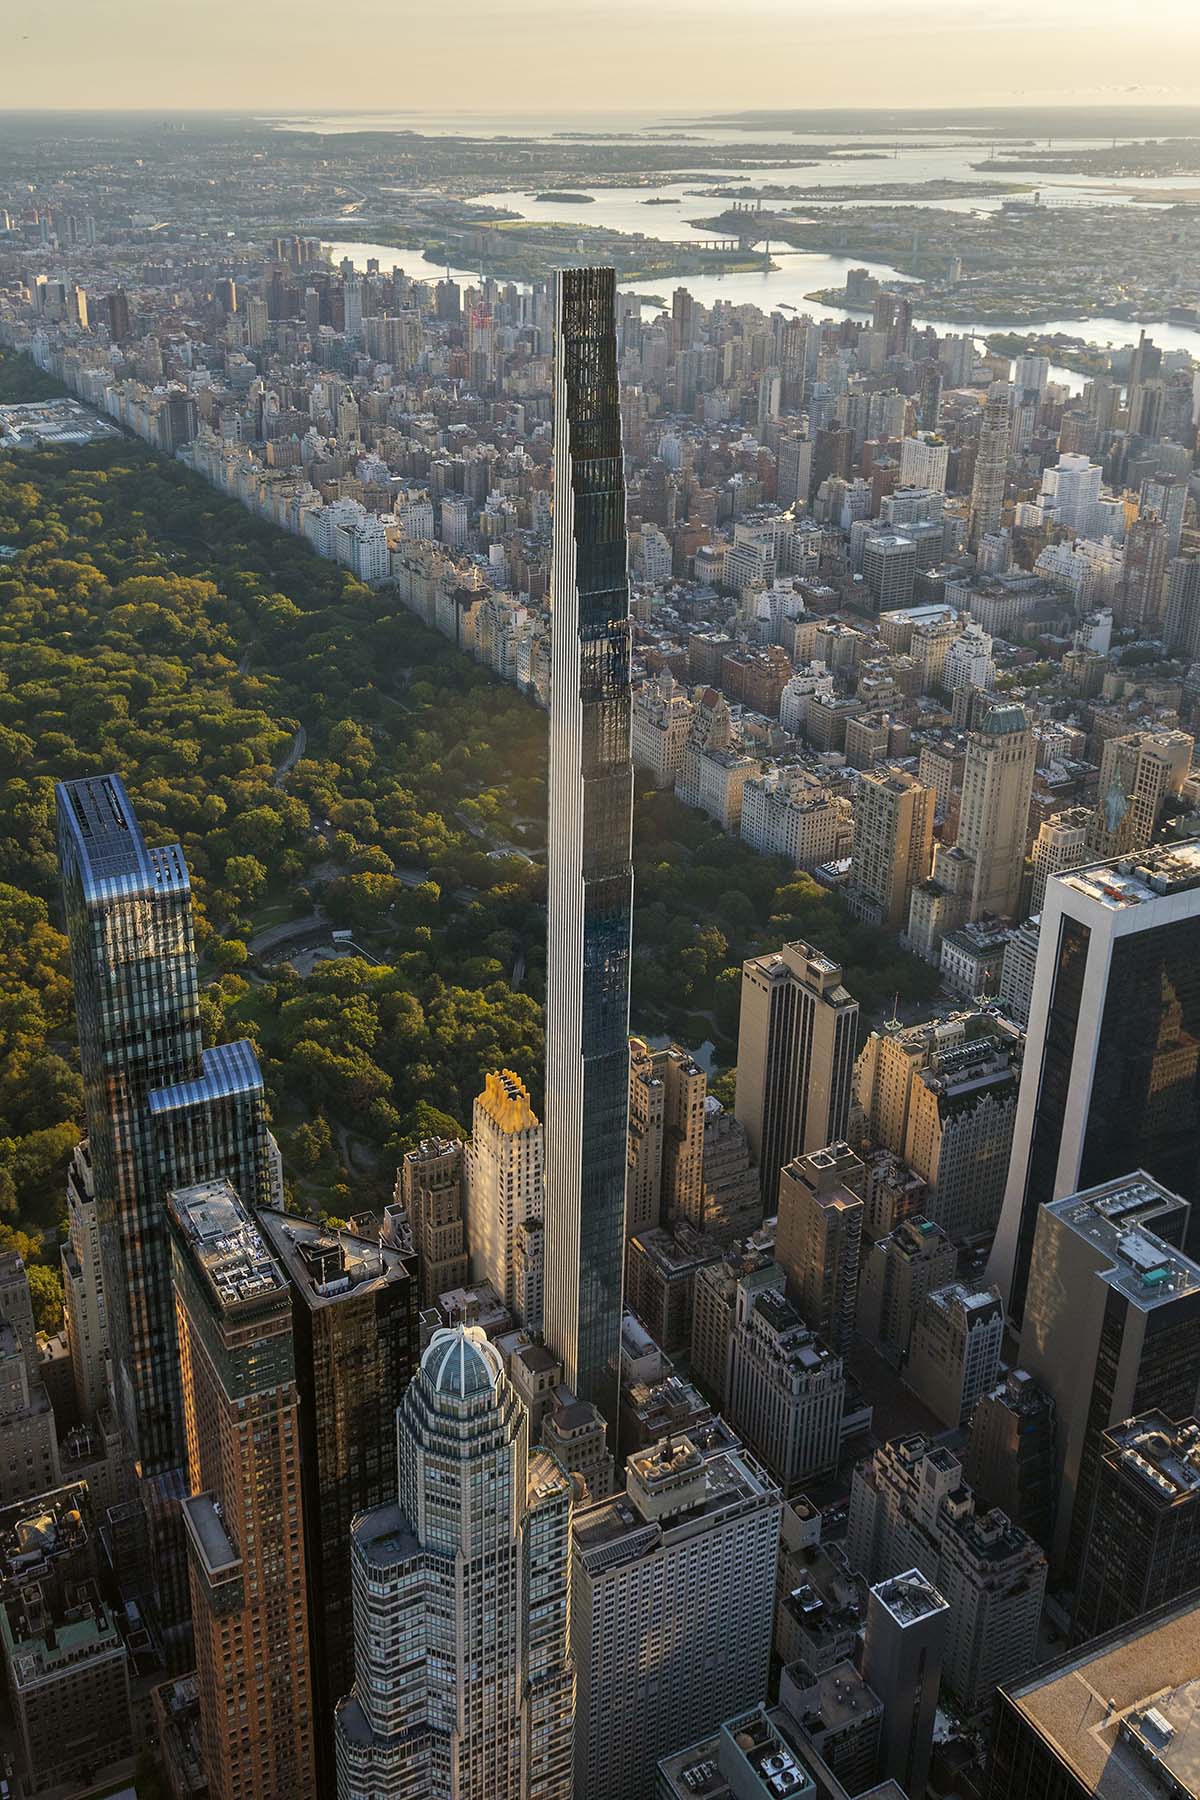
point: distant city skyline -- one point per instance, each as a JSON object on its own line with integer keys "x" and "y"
{"x": 675, "y": 55}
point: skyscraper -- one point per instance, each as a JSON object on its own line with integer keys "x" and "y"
{"x": 429, "y": 1186}
{"x": 1111, "y": 1328}
{"x": 796, "y": 1035}
{"x": 355, "y": 1347}
{"x": 672, "y": 1595}
{"x": 590, "y": 868}
{"x": 243, "y": 1513}
{"x": 993, "y": 818}
{"x": 902, "y": 1663}
{"x": 818, "y": 1239}
{"x": 464, "y": 1687}
{"x": 161, "y": 1113}
{"x": 505, "y": 1188}
{"x": 1111, "y": 1077}
{"x": 893, "y": 845}
{"x": 1143, "y": 1538}
{"x": 991, "y": 465}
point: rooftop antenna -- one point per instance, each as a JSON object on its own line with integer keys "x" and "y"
{"x": 894, "y": 1023}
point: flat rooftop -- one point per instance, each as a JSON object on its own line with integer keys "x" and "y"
{"x": 1138, "y": 879}
{"x": 326, "y": 1265}
{"x": 613, "y": 1531}
{"x": 909, "y": 1598}
{"x": 1117, "y": 1220}
{"x": 1123, "y": 1712}
{"x": 225, "y": 1243}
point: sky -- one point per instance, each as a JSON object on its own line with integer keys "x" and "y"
{"x": 501, "y": 55}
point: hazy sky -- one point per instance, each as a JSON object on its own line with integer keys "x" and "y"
{"x": 284, "y": 55}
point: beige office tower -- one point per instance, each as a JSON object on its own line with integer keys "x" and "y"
{"x": 83, "y": 1288}
{"x": 667, "y": 1091}
{"x": 796, "y": 1038}
{"x": 504, "y": 1183}
{"x": 943, "y": 1097}
{"x": 430, "y": 1187}
{"x": 993, "y": 823}
{"x": 991, "y": 466}
{"x": 463, "y": 1684}
{"x": 893, "y": 845}
{"x": 243, "y": 1518}
{"x": 1061, "y": 843}
{"x": 818, "y": 1239}
{"x": 672, "y": 1593}
{"x": 1138, "y": 775}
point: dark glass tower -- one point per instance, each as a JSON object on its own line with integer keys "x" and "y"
{"x": 161, "y": 1113}
{"x": 591, "y": 874}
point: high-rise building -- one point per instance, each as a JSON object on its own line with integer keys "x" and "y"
{"x": 1010, "y": 1453}
{"x": 667, "y": 1092}
{"x": 1117, "y": 1716}
{"x": 590, "y": 871}
{"x": 924, "y": 460}
{"x": 1111, "y": 1328}
{"x": 83, "y": 1288}
{"x": 818, "y": 1239}
{"x": 954, "y": 1352}
{"x": 943, "y": 1097}
{"x": 1143, "y": 1538}
{"x": 355, "y": 1344}
{"x": 786, "y": 1390}
{"x": 902, "y": 1664}
{"x": 430, "y": 1189}
{"x": 464, "y": 1687}
{"x": 893, "y": 845}
{"x": 505, "y": 1188}
{"x": 1111, "y": 1079}
{"x": 909, "y": 1508}
{"x": 162, "y": 1112}
{"x": 1142, "y": 597}
{"x": 796, "y": 1037}
{"x": 1061, "y": 843}
{"x": 899, "y": 1270}
{"x": 672, "y": 1592}
{"x": 991, "y": 465}
{"x": 1138, "y": 775}
{"x": 242, "y": 1516}
{"x": 993, "y": 820}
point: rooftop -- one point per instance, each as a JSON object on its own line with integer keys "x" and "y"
{"x": 722, "y": 1480}
{"x": 327, "y": 1265}
{"x": 1138, "y": 879}
{"x": 1125, "y": 1709}
{"x": 225, "y": 1244}
{"x": 909, "y": 1597}
{"x": 1115, "y": 1219}
{"x": 460, "y": 1363}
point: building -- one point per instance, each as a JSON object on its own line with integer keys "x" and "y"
{"x": 902, "y": 1664}
{"x": 924, "y": 460}
{"x": 796, "y": 816}
{"x": 660, "y": 1274}
{"x": 83, "y": 1288}
{"x": 899, "y": 1271}
{"x": 991, "y": 465}
{"x": 1018, "y": 969}
{"x": 68, "y": 1683}
{"x": 786, "y": 1390}
{"x": 463, "y": 1686}
{"x": 909, "y": 1508}
{"x": 1010, "y": 1453}
{"x": 1143, "y": 1538}
{"x": 243, "y": 1513}
{"x": 505, "y": 1189}
{"x": 796, "y": 1037}
{"x": 672, "y": 1588}
{"x": 1055, "y": 1738}
{"x": 993, "y": 818}
{"x": 590, "y": 871}
{"x": 1110, "y": 1330}
{"x": 818, "y": 1239}
{"x": 1061, "y": 843}
{"x": 893, "y": 846}
{"x": 889, "y": 569}
{"x": 161, "y": 1112}
{"x": 836, "y": 1723}
{"x": 355, "y": 1343}
{"x": 28, "y": 1439}
{"x": 660, "y": 717}
{"x": 747, "y": 1759}
{"x": 1139, "y": 775}
{"x": 667, "y": 1090}
{"x": 954, "y": 1352}
{"x": 714, "y": 1309}
{"x": 943, "y": 1098}
{"x": 1111, "y": 1081}
{"x": 429, "y": 1186}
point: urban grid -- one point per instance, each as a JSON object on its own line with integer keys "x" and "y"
{"x": 600, "y": 960}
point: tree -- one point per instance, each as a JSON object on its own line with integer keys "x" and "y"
{"x": 45, "y": 1290}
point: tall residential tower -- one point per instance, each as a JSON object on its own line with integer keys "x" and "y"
{"x": 590, "y": 868}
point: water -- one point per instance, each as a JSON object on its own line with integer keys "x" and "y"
{"x": 932, "y": 156}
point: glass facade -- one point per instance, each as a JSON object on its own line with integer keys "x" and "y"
{"x": 591, "y": 876}
{"x": 161, "y": 1111}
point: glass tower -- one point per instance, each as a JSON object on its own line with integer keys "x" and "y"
{"x": 590, "y": 872}
{"x": 162, "y": 1112}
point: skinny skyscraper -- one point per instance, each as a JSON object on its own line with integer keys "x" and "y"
{"x": 590, "y": 868}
